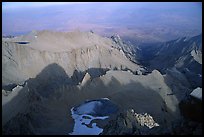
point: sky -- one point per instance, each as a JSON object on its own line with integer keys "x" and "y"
{"x": 143, "y": 21}
{"x": 17, "y": 5}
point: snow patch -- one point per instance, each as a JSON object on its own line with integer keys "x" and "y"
{"x": 106, "y": 98}
{"x": 197, "y": 93}
{"x": 80, "y": 126}
{"x": 83, "y": 118}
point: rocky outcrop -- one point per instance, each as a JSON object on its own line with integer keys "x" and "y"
{"x": 185, "y": 51}
{"x": 133, "y": 52}
{"x": 85, "y": 79}
{"x": 184, "y": 54}
{"x": 14, "y": 102}
{"x": 52, "y": 64}
{"x": 74, "y": 51}
{"x": 58, "y": 80}
{"x": 197, "y": 93}
{"x": 145, "y": 119}
{"x": 131, "y": 123}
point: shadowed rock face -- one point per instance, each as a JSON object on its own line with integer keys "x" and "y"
{"x": 51, "y": 94}
{"x": 9, "y": 87}
{"x": 181, "y": 50}
{"x": 126, "y": 123}
{"x": 184, "y": 54}
{"x": 104, "y": 107}
{"x": 49, "y": 79}
{"x": 53, "y": 72}
{"x": 55, "y": 82}
{"x": 45, "y": 99}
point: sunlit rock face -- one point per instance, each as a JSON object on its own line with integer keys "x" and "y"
{"x": 197, "y": 93}
{"x": 47, "y": 80}
{"x": 73, "y": 51}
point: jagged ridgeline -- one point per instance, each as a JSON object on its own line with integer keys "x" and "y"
{"x": 74, "y": 51}
{"x": 45, "y": 74}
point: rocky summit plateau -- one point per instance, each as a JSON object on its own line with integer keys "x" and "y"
{"x": 65, "y": 83}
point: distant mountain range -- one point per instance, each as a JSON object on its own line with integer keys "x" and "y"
{"x": 184, "y": 54}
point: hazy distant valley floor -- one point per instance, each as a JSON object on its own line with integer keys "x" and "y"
{"x": 47, "y": 76}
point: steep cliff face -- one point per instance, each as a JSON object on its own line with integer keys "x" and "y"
{"x": 180, "y": 53}
{"x": 45, "y": 74}
{"x": 133, "y": 52}
{"x": 23, "y": 61}
{"x": 184, "y": 54}
{"x": 47, "y": 66}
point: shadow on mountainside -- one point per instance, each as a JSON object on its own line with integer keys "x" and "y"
{"x": 41, "y": 102}
{"x": 52, "y": 93}
{"x": 93, "y": 72}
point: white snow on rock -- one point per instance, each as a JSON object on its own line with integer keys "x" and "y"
{"x": 82, "y": 119}
{"x": 82, "y": 129}
{"x": 197, "y": 93}
{"x": 106, "y": 98}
